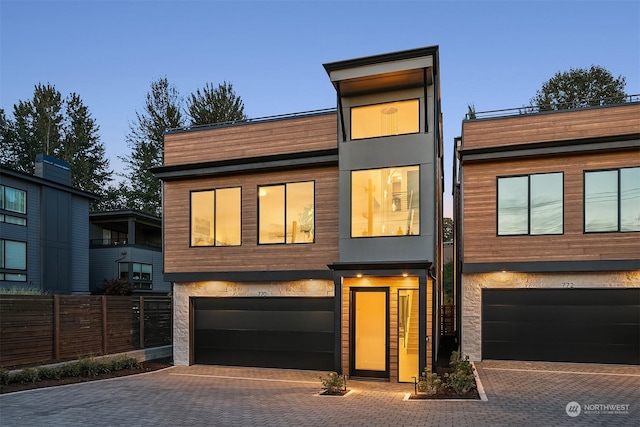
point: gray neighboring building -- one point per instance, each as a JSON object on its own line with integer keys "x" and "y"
{"x": 44, "y": 229}
{"x": 127, "y": 244}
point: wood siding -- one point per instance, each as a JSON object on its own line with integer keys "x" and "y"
{"x": 553, "y": 126}
{"x": 292, "y": 135}
{"x": 179, "y": 257}
{"x": 481, "y": 243}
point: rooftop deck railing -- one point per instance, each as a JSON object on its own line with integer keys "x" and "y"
{"x": 536, "y": 109}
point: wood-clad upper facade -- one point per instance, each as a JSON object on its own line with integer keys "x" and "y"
{"x": 569, "y": 144}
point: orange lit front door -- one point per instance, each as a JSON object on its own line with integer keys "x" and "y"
{"x": 369, "y": 354}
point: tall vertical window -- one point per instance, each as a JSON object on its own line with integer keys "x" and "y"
{"x": 13, "y": 257}
{"x": 612, "y": 200}
{"x": 531, "y": 204}
{"x": 286, "y": 213}
{"x": 385, "y": 202}
{"x": 215, "y": 217}
{"x": 391, "y": 118}
{"x": 13, "y": 200}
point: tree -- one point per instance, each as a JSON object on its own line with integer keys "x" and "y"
{"x": 215, "y": 105}
{"x": 161, "y": 112}
{"x": 580, "y": 88}
{"x": 447, "y": 230}
{"x": 58, "y": 127}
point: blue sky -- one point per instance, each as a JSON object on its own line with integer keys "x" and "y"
{"x": 494, "y": 55}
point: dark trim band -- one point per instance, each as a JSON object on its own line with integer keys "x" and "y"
{"x": 249, "y": 276}
{"x": 552, "y": 266}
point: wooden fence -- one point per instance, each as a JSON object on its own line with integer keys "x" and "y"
{"x": 42, "y": 329}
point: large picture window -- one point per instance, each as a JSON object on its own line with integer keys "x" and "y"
{"x": 391, "y": 118}
{"x": 286, "y": 213}
{"x": 215, "y": 217}
{"x": 385, "y": 202}
{"x": 13, "y": 257}
{"x": 531, "y": 204}
{"x": 612, "y": 200}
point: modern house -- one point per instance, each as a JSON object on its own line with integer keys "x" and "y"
{"x": 44, "y": 229}
{"x": 313, "y": 240}
{"x": 127, "y": 245}
{"x": 547, "y": 238}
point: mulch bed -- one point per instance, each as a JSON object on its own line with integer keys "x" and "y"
{"x": 471, "y": 394}
{"x": 147, "y": 366}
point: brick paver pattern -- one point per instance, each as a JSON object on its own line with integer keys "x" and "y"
{"x": 519, "y": 394}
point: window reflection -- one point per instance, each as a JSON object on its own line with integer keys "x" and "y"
{"x": 385, "y": 202}
{"x": 531, "y": 204}
{"x": 612, "y": 200}
{"x": 391, "y": 118}
{"x": 286, "y": 213}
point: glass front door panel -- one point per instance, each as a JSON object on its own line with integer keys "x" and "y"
{"x": 370, "y": 331}
{"x": 408, "y": 312}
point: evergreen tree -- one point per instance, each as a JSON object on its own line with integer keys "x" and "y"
{"x": 215, "y": 105}
{"x": 145, "y": 139}
{"x": 49, "y": 125}
{"x": 579, "y": 88}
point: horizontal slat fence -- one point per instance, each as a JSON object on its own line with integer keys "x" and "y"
{"x": 41, "y": 329}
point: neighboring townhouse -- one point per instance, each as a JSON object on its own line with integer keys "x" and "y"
{"x": 44, "y": 229}
{"x": 547, "y": 239}
{"x": 313, "y": 240}
{"x": 127, "y": 244}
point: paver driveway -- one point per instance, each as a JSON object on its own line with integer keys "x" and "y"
{"x": 518, "y": 393}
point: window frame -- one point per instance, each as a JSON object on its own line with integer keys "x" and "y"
{"x": 215, "y": 224}
{"x": 10, "y": 216}
{"x": 284, "y": 184}
{"x": 351, "y": 234}
{"x": 8, "y": 271}
{"x": 136, "y": 283}
{"x": 618, "y": 201}
{"x": 528, "y": 176}
{"x": 352, "y": 107}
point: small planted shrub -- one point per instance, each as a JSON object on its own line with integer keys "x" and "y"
{"x": 429, "y": 382}
{"x": 70, "y": 370}
{"x": 461, "y": 379}
{"x": 332, "y": 383}
{"x": 88, "y": 367}
{"x": 26, "y": 375}
{"x": 121, "y": 363}
{"x": 4, "y": 376}
{"x": 47, "y": 373}
{"x": 114, "y": 287}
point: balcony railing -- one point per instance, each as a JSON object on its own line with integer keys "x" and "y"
{"x": 535, "y": 109}
{"x": 123, "y": 242}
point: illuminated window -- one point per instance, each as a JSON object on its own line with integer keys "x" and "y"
{"x": 612, "y": 200}
{"x": 385, "y": 202}
{"x": 391, "y": 118}
{"x": 531, "y": 204}
{"x": 215, "y": 217}
{"x": 286, "y": 213}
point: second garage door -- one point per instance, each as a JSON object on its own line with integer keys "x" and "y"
{"x": 289, "y": 332}
{"x": 562, "y": 325}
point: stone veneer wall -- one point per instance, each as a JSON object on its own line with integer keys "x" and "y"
{"x": 183, "y": 291}
{"x": 472, "y": 285}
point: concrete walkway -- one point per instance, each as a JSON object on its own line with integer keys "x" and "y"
{"x": 519, "y": 394}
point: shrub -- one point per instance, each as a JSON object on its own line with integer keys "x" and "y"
{"x": 70, "y": 370}
{"x": 26, "y": 375}
{"x": 88, "y": 367}
{"x": 47, "y": 373}
{"x": 332, "y": 383}
{"x": 429, "y": 382}
{"x": 461, "y": 379}
{"x": 121, "y": 363}
{"x": 114, "y": 287}
{"x": 4, "y": 376}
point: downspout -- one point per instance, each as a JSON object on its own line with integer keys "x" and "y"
{"x": 340, "y": 112}
{"x": 436, "y": 318}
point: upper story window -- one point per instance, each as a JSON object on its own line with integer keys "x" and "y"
{"x": 385, "y": 202}
{"x": 215, "y": 217}
{"x": 13, "y": 200}
{"x": 390, "y": 118}
{"x": 612, "y": 200}
{"x": 286, "y": 213}
{"x": 531, "y": 204}
{"x": 13, "y": 256}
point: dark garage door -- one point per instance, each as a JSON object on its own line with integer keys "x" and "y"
{"x": 562, "y": 325}
{"x": 288, "y": 332}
